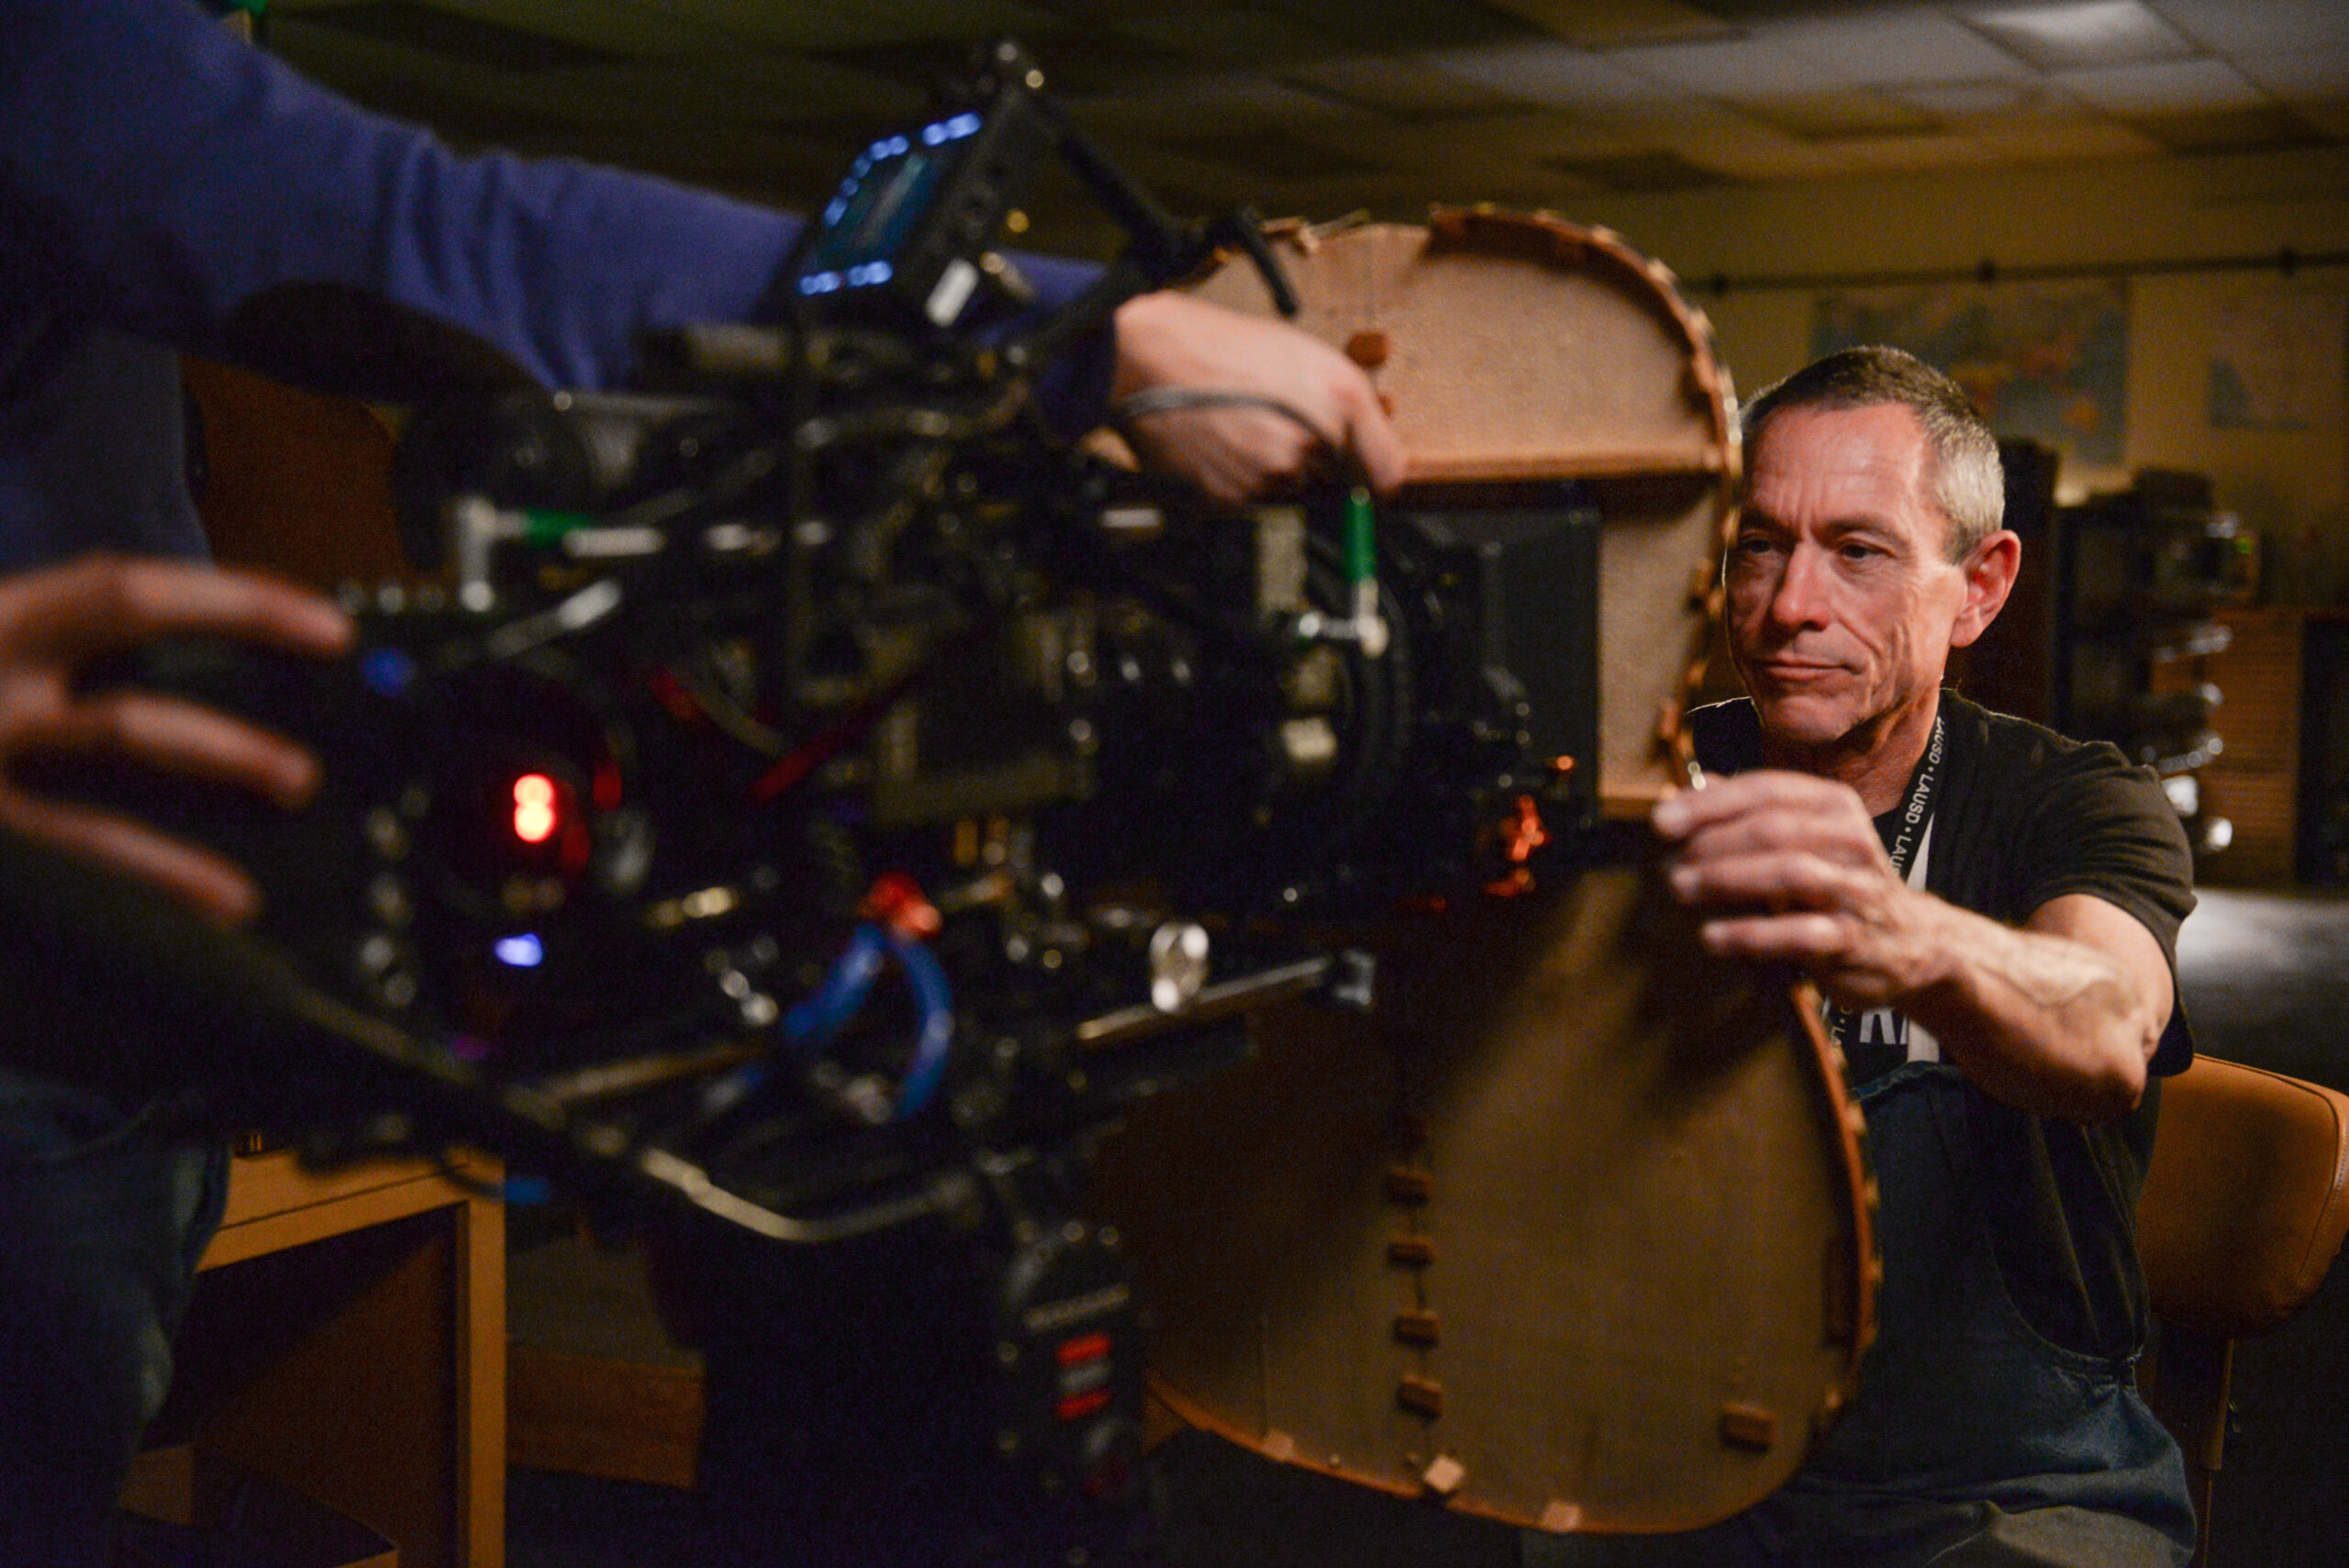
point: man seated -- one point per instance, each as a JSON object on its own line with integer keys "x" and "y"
{"x": 1992, "y": 910}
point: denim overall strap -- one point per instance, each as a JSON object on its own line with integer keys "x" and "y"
{"x": 1960, "y": 1399}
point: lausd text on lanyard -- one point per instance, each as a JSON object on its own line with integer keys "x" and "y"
{"x": 1880, "y": 1039}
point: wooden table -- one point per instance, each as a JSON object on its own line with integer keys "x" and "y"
{"x": 348, "y": 1336}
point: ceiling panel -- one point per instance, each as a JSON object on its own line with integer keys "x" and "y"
{"x": 1228, "y": 101}
{"x": 1603, "y": 23}
{"x": 1980, "y": 99}
{"x": 825, "y": 24}
{"x": 1388, "y": 103}
{"x": 2262, "y": 27}
{"x": 1735, "y": 68}
{"x": 1852, "y": 111}
{"x": 2330, "y": 118}
{"x": 1904, "y": 44}
{"x": 454, "y": 34}
{"x": 649, "y": 30}
{"x": 2075, "y": 33}
{"x": 2161, "y": 89}
{"x": 2302, "y": 74}
{"x": 2261, "y": 128}
{"x": 2060, "y": 139}
{"x": 1399, "y": 26}
{"x": 1547, "y": 73}
{"x": 1245, "y": 37}
{"x": 1410, "y": 89}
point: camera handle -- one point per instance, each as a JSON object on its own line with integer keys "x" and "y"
{"x": 1161, "y": 250}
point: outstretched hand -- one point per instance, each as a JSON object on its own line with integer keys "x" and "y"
{"x": 1788, "y": 868}
{"x": 1235, "y": 452}
{"x": 56, "y": 620}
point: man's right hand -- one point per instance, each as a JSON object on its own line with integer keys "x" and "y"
{"x": 56, "y": 620}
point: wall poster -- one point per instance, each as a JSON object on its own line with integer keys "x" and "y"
{"x": 2045, "y": 360}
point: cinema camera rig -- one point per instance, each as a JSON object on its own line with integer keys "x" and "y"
{"x": 816, "y": 792}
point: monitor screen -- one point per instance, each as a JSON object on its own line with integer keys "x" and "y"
{"x": 888, "y": 190}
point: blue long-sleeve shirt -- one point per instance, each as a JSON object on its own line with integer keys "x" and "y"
{"x": 157, "y": 175}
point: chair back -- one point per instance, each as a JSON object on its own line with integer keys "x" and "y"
{"x": 2248, "y": 1196}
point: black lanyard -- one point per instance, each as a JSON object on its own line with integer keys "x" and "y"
{"x": 1917, "y": 811}
{"x": 1908, "y": 831}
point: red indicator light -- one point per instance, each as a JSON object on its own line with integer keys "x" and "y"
{"x": 1076, "y": 1407}
{"x": 1084, "y": 1348}
{"x": 534, "y": 808}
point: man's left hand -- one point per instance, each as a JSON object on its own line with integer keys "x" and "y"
{"x": 1788, "y": 868}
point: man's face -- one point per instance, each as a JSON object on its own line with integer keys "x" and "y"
{"x": 1841, "y": 594}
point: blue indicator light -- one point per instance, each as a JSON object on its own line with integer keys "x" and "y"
{"x": 962, "y": 125}
{"x": 526, "y": 1190}
{"x": 833, "y": 212}
{"x": 388, "y": 672}
{"x": 931, "y": 135}
{"x": 819, "y": 282}
{"x": 525, "y": 951}
{"x": 870, "y": 273}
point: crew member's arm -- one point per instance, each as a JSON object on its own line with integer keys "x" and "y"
{"x": 163, "y": 179}
{"x": 55, "y": 620}
{"x": 2058, "y": 1017}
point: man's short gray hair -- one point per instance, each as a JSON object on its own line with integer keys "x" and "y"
{"x": 1967, "y": 481}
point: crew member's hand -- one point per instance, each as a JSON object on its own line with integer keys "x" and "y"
{"x": 54, "y": 620}
{"x": 1788, "y": 868}
{"x": 1237, "y": 453}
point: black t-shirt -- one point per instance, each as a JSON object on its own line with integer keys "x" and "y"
{"x": 2023, "y": 816}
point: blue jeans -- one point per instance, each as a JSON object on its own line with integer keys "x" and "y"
{"x": 102, "y": 1222}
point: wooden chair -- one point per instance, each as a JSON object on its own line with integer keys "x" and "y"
{"x": 2242, "y": 1214}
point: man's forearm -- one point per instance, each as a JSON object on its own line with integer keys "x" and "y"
{"x": 2040, "y": 1022}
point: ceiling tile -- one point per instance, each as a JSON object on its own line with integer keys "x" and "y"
{"x": 458, "y": 35}
{"x": 1229, "y": 100}
{"x": 1398, "y": 26}
{"x": 1827, "y": 116}
{"x": 2046, "y": 140}
{"x": 759, "y": 87}
{"x": 615, "y": 25}
{"x": 1760, "y": 154}
{"x": 377, "y": 71}
{"x": 2268, "y": 127}
{"x": 1238, "y": 36}
{"x": 1546, "y": 73}
{"x": 2317, "y": 74}
{"x": 824, "y": 25}
{"x": 2263, "y": 27}
{"x": 2082, "y": 33}
{"x": 1889, "y": 45}
{"x": 1971, "y": 100}
{"x": 1516, "y": 141}
{"x": 1601, "y": 24}
{"x": 1272, "y": 154}
{"x": 2331, "y": 117}
{"x": 1740, "y": 67}
{"x": 1073, "y": 63}
{"x": 2161, "y": 89}
{"x": 1909, "y": 154}
{"x": 1661, "y": 171}
{"x": 1409, "y": 88}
